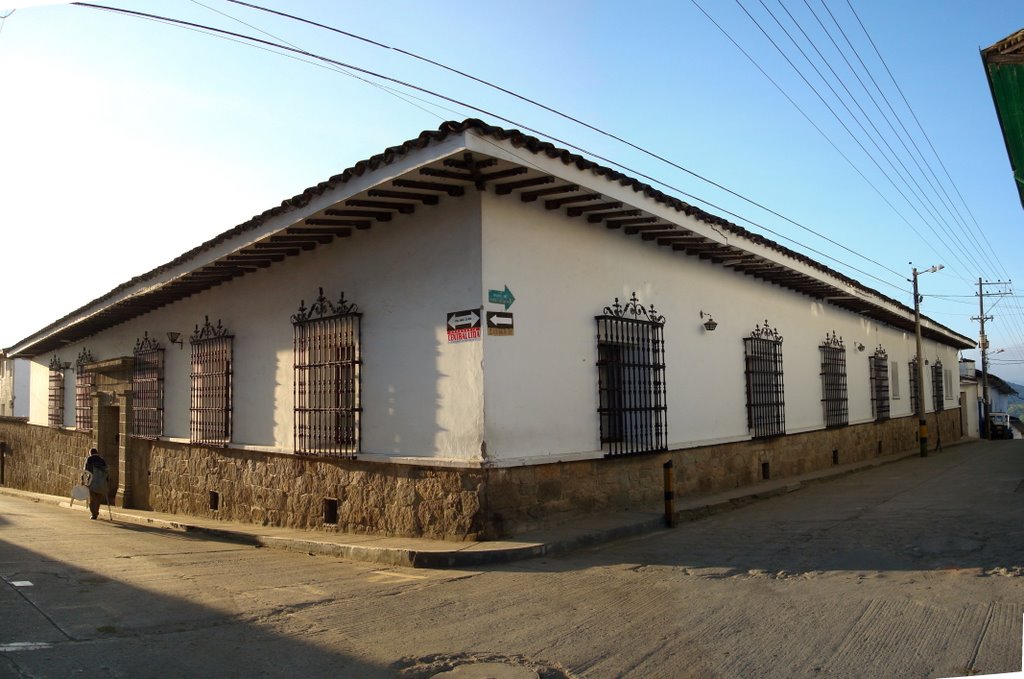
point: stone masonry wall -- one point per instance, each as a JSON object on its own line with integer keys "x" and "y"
{"x": 521, "y": 499}
{"x": 286, "y": 490}
{"x": 43, "y": 459}
{"x": 455, "y": 504}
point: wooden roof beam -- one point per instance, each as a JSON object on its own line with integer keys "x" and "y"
{"x": 337, "y": 232}
{"x": 509, "y": 187}
{"x": 579, "y": 210}
{"x": 425, "y": 198}
{"x": 358, "y": 223}
{"x": 601, "y": 216}
{"x": 365, "y": 214}
{"x": 404, "y": 208}
{"x": 581, "y": 198}
{"x": 452, "y": 190}
{"x": 530, "y": 196}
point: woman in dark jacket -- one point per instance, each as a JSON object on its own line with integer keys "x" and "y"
{"x": 96, "y": 467}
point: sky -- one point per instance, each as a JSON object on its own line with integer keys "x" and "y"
{"x": 126, "y": 141}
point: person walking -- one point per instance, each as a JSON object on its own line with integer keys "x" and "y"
{"x": 96, "y": 473}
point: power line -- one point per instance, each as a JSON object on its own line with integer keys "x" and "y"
{"x": 853, "y": 136}
{"x": 920, "y": 127}
{"x": 260, "y": 41}
{"x": 570, "y": 118}
{"x": 918, "y": 189}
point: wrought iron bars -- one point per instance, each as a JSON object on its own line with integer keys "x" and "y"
{"x": 913, "y": 385}
{"x": 938, "y": 392}
{"x": 327, "y": 362}
{"x": 833, "y": 381}
{"x": 211, "y": 385}
{"x": 56, "y": 392}
{"x": 148, "y": 388}
{"x": 880, "y": 384}
{"x": 85, "y": 384}
{"x": 766, "y": 404}
{"x": 631, "y": 379}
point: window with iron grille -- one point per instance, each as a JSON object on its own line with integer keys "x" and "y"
{"x": 833, "y": 381}
{"x": 56, "y": 392}
{"x": 766, "y": 407}
{"x": 148, "y": 388}
{"x": 327, "y": 364}
{"x": 85, "y": 384}
{"x": 210, "y": 408}
{"x": 879, "y": 364}
{"x": 631, "y": 379}
{"x": 937, "y": 387}
{"x": 912, "y": 369}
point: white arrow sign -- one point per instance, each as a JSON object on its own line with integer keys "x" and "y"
{"x": 467, "y": 319}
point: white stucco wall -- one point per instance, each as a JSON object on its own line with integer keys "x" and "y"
{"x": 421, "y": 396}
{"x": 541, "y": 383}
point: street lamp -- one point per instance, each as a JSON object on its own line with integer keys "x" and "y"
{"x": 922, "y": 423}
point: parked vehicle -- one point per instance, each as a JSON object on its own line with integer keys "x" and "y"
{"x": 1001, "y": 426}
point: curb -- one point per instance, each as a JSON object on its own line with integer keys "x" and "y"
{"x": 555, "y": 542}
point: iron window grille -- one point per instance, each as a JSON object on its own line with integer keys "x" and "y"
{"x": 833, "y": 381}
{"x": 148, "y": 388}
{"x": 912, "y": 369}
{"x": 56, "y": 392}
{"x": 85, "y": 384}
{"x": 766, "y": 404}
{"x": 880, "y": 384}
{"x": 631, "y": 379}
{"x": 211, "y": 384}
{"x": 938, "y": 394}
{"x": 327, "y": 362}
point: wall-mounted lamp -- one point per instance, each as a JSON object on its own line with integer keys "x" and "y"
{"x": 860, "y": 347}
{"x": 709, "y": 325}
{"x": 175, "y": 338}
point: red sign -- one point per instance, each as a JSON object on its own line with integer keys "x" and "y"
{"x": 464, "y": 334}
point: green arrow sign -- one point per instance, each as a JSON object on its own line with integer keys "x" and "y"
{"x": 501, "y": 297}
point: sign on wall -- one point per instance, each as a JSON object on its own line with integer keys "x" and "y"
{"x": 463, "y": 326}
{"x": 500, "y": 323}
{"x": 503, "y": 297}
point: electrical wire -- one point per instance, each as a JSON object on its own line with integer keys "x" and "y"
{"x": 906, "y": 174}
{"x": 279, "y": 46}
{"x": 853, "y": 136}
{"x": 923, "y": 131}
{"x": 573, "y": 119}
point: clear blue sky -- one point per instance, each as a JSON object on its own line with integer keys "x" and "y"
{"x": 125, "y": 142}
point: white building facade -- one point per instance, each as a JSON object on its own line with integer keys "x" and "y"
{"x": 484, "y": 312}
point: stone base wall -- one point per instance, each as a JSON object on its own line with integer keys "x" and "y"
{"x": 521, "y": 499}
{"x": 43, "y": 459}
{"x": 455, "y": 504}
{"x": 286, "y": 490}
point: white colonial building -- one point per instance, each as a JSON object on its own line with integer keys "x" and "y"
{"x": 469, "y": 335}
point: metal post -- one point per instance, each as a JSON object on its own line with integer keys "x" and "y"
{"x": 670, "y": 494}
{"x": 922, "y": 423}
{"x": 983, "y": 342}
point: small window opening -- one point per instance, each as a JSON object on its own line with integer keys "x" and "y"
{"x": 330, "y": 511}
{"x": 214, "y": 500}
{"x": 835, "y": 456}
{"x": 765, "y": 471}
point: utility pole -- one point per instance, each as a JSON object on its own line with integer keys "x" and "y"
{"x": 921, "y": 421}
{"x": 986, "y": 404}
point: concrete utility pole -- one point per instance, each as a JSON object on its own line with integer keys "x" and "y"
{"x": 986, "y": 404}
{"x": 922, "y": 423}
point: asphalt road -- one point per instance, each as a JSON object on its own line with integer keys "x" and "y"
{"x": 914, "y": 569}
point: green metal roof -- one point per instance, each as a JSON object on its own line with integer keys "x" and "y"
{"x": 1004, "y": 67}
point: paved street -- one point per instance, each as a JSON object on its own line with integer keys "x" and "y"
{"x": 913, "y": 569}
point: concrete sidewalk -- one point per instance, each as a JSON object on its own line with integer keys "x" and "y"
{"x": 426, "y": 553}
